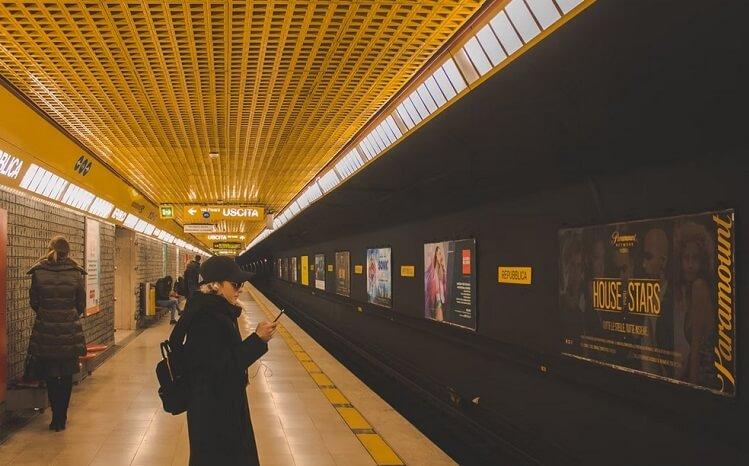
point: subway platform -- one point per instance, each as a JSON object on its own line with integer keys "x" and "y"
{"x": 306, "y": 409}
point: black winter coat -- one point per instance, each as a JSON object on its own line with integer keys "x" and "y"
{"x": 192, "y": 277}
{"x": 216, "y": 358}
{"x": 58, "y": 296}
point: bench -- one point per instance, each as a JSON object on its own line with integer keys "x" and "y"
{"x": 92, "y": 351}
{"x": 30, "y": 394}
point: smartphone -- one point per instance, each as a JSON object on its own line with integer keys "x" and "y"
{"x": 279, "y": 315}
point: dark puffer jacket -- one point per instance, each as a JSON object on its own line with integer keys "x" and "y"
{"x": 58, "y": 296}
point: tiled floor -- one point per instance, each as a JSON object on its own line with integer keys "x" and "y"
{"x": 116, "y": 417}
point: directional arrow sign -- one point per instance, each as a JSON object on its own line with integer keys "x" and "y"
{"x": 215, "y": 213}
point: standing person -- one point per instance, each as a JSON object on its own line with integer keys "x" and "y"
{"x": 216, "y": 358}
{"x": 58, "y": 297}
{"x": 192, "y": 276}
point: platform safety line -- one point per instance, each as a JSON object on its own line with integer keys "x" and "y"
{"x": 376, "y": 446}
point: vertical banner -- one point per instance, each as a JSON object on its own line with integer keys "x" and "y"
{"x": 305, "y": 270}
{"x": 450, "y": 282}
{"x": 342, "y": 273}
{"x": 164, "y": 260}
{"x": 380, "y": 277}
{"x": 294, "y": 270}
{"x": 3, "y": 305}
{"x": 320, "y": 271}
{"x": 657, "y": 297}
{"x": 93, "y": 266}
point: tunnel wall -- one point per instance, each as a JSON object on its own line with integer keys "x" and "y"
{"x": 588, "y": 410}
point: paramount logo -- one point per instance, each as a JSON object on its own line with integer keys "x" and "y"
{"x": 623, "y": 242}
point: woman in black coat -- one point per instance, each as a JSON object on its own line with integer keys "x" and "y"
{"x": 58, "y": 298}
{"x": 216, "y": 358}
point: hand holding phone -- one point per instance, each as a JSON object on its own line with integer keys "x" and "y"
{"x": 279, "y": 315}
{"x": 265, "y": 330}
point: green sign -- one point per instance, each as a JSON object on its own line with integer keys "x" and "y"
{"x": 227, "y": 245}
{"x": 166, "y": 211}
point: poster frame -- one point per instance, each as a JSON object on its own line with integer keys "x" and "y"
{"x": 392, "y": 277}
{"x": 475, "y": 278}
{"x": 88, "y": 229}
{"x": 335, "y": 271}
{"x": 736, "y": 301}
{"x": 324, "y": 263}
{"x": 304, "y": 269}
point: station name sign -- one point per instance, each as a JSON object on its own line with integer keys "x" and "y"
{"x": 212, "y": 213}
{"x": 10, "y": 166}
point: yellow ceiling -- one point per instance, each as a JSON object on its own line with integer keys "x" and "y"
{"x": 277, "y": 87}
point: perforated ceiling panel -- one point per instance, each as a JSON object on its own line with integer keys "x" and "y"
{"x": 275, "y": 87}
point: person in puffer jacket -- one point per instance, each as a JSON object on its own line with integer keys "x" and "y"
{"x": 58, "y": 297}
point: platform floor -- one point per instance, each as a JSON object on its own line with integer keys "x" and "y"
{"x": 306, "y": 409}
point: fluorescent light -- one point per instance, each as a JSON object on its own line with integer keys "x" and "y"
{"x": 506, "y": 33}
{"x": 42, "y": 182}
{"x": 491, "y": 46}
{"x": 568, "y": 5}
{"x": 522, "y": 19}
{"x": 329, "y": 181}
{"x": 140, "y": 227}
{"x": 348, "y": 164}
{"x": 77, "y": 197}
{"x": 545, "y": 11}
{"x": 119, "y": 215}
{"x": 478, "y": 57}
{"x": 131, "y": 221}
{"x": 149, "y": 229}
{"x": 101, "y": 208}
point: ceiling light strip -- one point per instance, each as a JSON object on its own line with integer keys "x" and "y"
{"x": 488, "y": 48}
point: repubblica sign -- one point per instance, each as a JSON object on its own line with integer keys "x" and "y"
{"x": 656, "y": 297}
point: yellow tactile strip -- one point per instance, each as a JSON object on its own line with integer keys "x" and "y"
{"x": 373, "y": 442}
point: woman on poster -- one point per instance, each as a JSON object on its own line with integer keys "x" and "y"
{"x": 692, "y": 304}
{"x": 371, "y": 277}
{"x": 435, "y": 284}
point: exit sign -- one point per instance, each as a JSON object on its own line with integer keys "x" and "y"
{"x": 166, "y": 211}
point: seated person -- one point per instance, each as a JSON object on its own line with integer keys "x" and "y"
{"x": 165, "y": 297}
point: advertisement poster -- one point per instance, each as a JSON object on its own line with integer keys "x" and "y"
{"x": 450, "y": 282}
{"x": 285, "y": 269}
{"x": 656, "y": 296}
{"x": 342, "y": 273}
{"x": 304, "y": 268}
{"x": 380, "y": 277}
{"x": 279, "y": 271}
{"x": 320, "y": 271}
{"x": 294, "y": 275}
{"x": 93, "y": 266}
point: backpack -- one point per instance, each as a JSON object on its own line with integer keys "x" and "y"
{"x": 174, "y": 386}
